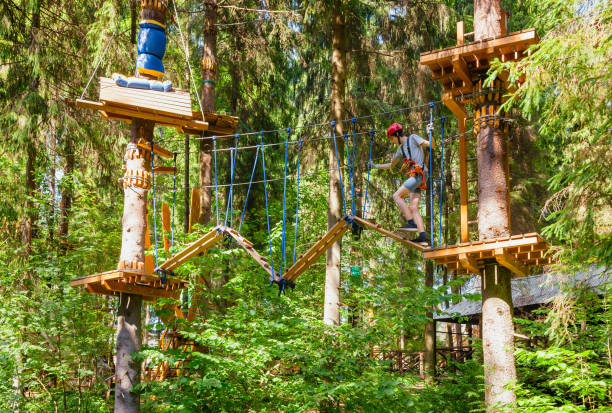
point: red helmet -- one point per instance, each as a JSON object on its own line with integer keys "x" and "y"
{"x": 393, "y": 129}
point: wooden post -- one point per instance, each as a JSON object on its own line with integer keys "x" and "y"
{"x": 493, "y": 222}
{"x": 460, "y": 33}
{"x": 187, "y": 189}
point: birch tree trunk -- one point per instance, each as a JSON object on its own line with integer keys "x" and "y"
{"x": 494, "y": 222}
{"x": 331, "y": 312}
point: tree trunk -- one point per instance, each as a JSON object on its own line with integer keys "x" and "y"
{"x": 331, "y": 313}
{"x": 209, "y": 69}
{"x": 66, "y": 191}
{"x": 493, "y": 222}
{"x": 429, "y": 368}
{"x": 127, "y": 372}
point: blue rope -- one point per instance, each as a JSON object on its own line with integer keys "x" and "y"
{"x": 232, "y": 182}
{"x": 214, "y": 138}
{"x": 333, "y": 124}
{"x": 353, "y": 168}
{"x": 297, "y": 199}
{"x": 348, "y": 160}
{"x": 249, "y": 189}
{"x": 283, "y": 260}
{"x": 229, "y": 196}
{"x": 365, "y": 201}
{"x": 173, "y": 203}
{"x": 442, "y": 120}
{"x": 163, "y": 279}
{"x": 431, "y": 106}
{"x": 263, "y": 163}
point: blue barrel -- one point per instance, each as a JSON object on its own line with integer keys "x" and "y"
{"x": 151, "y": 47}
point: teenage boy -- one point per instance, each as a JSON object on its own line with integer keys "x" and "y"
{"x": 411, "y": 156}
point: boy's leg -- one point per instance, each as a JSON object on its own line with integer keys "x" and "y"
{"x": 415, "y": 197}
{"x": 398, "y": 197}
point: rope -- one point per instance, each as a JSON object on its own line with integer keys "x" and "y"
{"x": 173, "y": 203}
{"x": 365, "y": 201}
{"x": 312, "y": 125}
{"x": 353, "y": 168}
{"x": 248, "y": 190}
{"x": 216, "y": 185}
{"x": 103, "y": 53}
{"x": 430, "y": 131}
{"x": 163, "y": 278}
{"x": 333, "y": 125}
{"x": 297, "y": 200}
{"x": 232, "y": 183}
{"x": 231, "y": 188}
{"x": 442, "y": 120}
{"x": 283, "y": 246}
{"x": 263, "y": 167}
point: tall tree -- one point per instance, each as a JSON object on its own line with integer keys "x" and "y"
{"x": 209, "y": 69}
{"x": 494, "y": 222}
{"x": 331, "y": 312}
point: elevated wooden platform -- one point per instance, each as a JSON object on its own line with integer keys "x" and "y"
{"x": 458, "y": 67}
{"x": 516, "y": 253}
{"x": 172, "y": 109}
{"x": 132, "y": 282}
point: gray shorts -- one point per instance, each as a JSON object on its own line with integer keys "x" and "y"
{"x": 413, "y": 183}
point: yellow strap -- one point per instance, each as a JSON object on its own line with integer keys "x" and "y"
{"x": 153, "y": 22}
{"x": 155, "y": 73}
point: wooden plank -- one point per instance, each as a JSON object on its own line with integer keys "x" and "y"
{"x": 525, "y": 38}
{"x": 199, "y": 245}
{"x": 314, "y": 252}
{"x": 137, "y": 289}
{"x": 157, "y": 150}
{"x": 509, "y": 262}
{"x": 95, "y": 278}
{"x": 166, "y": 225}
{"x": 194, "y": 210}
{"x": 469, "y": 263}
{"x": 460, "y": 33}
{"x": 478, "y": 247}
{"x": 173, "y": 103}
{"x": 388, "y": 234}
{"x": 164, "y": 169}
{"x": 149, "y": 263}
{"x": 248, "y": 247}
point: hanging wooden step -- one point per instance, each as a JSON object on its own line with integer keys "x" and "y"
{"x": 198, "y": 246}
{"x": 307, "y": 259}
{"x": 376, "y": 227}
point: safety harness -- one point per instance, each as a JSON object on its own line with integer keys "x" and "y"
{"x": 410, "y": 167}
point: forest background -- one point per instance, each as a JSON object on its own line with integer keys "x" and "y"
{"x": 62, "y": 204}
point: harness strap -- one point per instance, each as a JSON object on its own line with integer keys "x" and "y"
{"x": 410, "y": 167}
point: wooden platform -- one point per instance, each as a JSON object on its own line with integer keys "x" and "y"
{"x": 132, "y": 282}
{"x": 516, "y": 253}
{"x": 457, "y": 67}
{"x": 172, "y": 109}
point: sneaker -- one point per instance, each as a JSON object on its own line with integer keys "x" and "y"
{"x": 408, "y": 227}
{"x": 421, "y": 239}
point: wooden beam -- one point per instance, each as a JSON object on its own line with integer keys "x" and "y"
{"x": 314, "y": 252}
{"x": 166, "y": 225}
{"x": 469, "y": 263}
{"x": 462, "y": 71}
{"x": 248, "y": 247}
{"x": 194, "y": 209}
{"x": 506, "y": 260}
{"x": 388, "y": 234}
{"x": 157, "y": 150}
{"x": 457, "y": 108}
{"x": 164, "y": 170}
{"x": 137, "y": 289}
{"x": 199, "y": 245}
{"x": 460, "y": 33}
